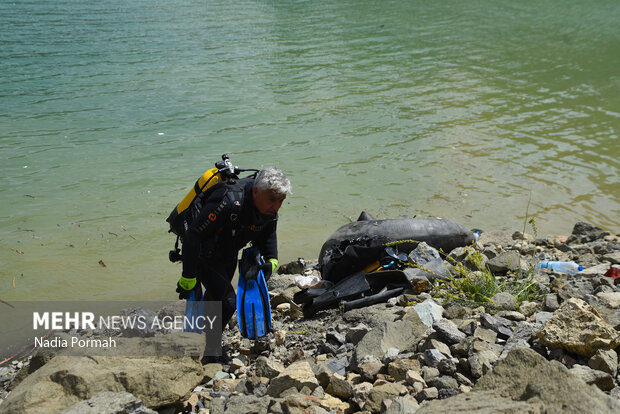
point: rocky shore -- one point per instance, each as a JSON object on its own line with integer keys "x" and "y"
{"x": 498, "y": 335}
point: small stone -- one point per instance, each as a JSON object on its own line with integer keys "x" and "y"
{"x": 431, "y": 393}
{"x": 512, "y": 315}
{"x": 280, "y": 337}
{"x": 528, "y": 308}
{"x": 432, "y": 343}
{"x": 432, "y": 357}
{"x": 551, "y": 303}
{"x": 429, "y": 312}
{"x": 447, "y": 393}
{"x": 340, "y": 387}
{"x": 447, "y": 366}
{"x": 390, "y": 355}
{"x": 414, "y": 376}
{"x": 448, "y": 331}
{"x": 463, "y": 380}
{"x": 504, "y": 301}
{"x": 355, "y": 334}
{"x": 468, "y": 327}
{"x": 605, "y": 360}
{"x": 428, "y": 373}
{"x": 399, "y": 368}
{"x": 593, "y": 377}
{"x": 369, "y": 370}
{"x": 444, "y": 382}
{"x": 504, "y": 262}
{"x": 486, "y": 335}
{"x": 497, "y": 324}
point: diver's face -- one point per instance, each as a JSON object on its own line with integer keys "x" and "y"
{"x": 267, "y": 202}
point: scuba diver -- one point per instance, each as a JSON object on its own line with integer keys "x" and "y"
{"x": 232, "y": 214}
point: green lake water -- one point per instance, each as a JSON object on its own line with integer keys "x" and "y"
{"x": 466, "y": 110}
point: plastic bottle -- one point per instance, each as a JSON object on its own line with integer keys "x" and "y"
{"x": 476, "y": 236}
{"x": 564, "y": 267}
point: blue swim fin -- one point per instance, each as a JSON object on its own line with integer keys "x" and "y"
{"x": 193, "y": 311}
{"x": 253, "y": 305}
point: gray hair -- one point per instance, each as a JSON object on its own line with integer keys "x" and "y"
{"x": 272, "y": 179}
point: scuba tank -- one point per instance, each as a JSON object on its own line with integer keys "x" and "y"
{"x": 180, "y": 218}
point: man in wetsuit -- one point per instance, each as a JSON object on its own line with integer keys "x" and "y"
{"x": 233, "y": 214}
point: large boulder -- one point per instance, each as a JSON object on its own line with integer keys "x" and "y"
{"x": 577, "y": 327}
{"x": 110, "y": 403}
{"x": 158, "y": 381}
{"x": 402, "y": 335}
{"x": 524, "y": 375}
{"x": 525, "y": 382}
{"x": 296, "y": 375}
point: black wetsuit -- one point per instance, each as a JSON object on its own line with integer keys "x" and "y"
{"x": 219, "y": 230}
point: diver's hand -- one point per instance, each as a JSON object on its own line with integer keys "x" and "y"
{"x": 185, "y": 285}
{"x": 268, "y": 267}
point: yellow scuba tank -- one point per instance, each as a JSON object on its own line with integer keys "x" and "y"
{"x": 206, "y": 181}
{"x": 180, "y": 218}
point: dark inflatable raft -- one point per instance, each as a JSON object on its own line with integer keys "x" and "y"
{"x": 359, "y": 243}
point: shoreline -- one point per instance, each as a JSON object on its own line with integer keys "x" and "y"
{"x": 296, "y": 339}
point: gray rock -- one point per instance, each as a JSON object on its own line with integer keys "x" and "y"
{"x": 403, "y": 335}
{"x": 295, "y": 267}
{"x": 107, "y": 402}
{"x": 337, "y": 366}
{"x": 444, "y": 382}
{"x": 432, "y": 357}
{"x": 481, "y": 363}
{"x": 402, "y": 405}
{"x": 528, "y": 308}
{"x": 447, "y": 366}
{"x": 504, "y": 301}
{"x": 605, "y": 360}
{"x": 504, "y": 262}
{"x": 592, "y": 271}
{"x": 399, "y": 368}
{"x": 481, "y": 402}
{"x": 339, "y": 387}
{"x": 296, "y": 375}
{"x": 468, "y": 327}
{"x": 551, "y": 302}
{"x": 521, "y": 336}
{"x": 156, "y": 381}
{"x": 430, "y": 393}
{"x": 355, "y": 334}
{"x": 381, "y": 393}
{"x": 390, "y": 355}
{"x": 577, "y": 327}
{"x": 456, "y": 311}
{"x": 268, "y": 368}
{"x": 448, "y": 331}
{"x": 593, "y": 377}
{"x": 250, "y": 404}
{"x": 512, "y": 315}
{"x": 429, "y": 312}
{"x": 526, "y": 376}
{"x": 497, "y": 324}
{"x": 613, "y": 258}
{"x": 432, "y": 343}
{"x": 585, "y": 232}
{"x": 447, "y": 393}
{"x": 542, "y": 318}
